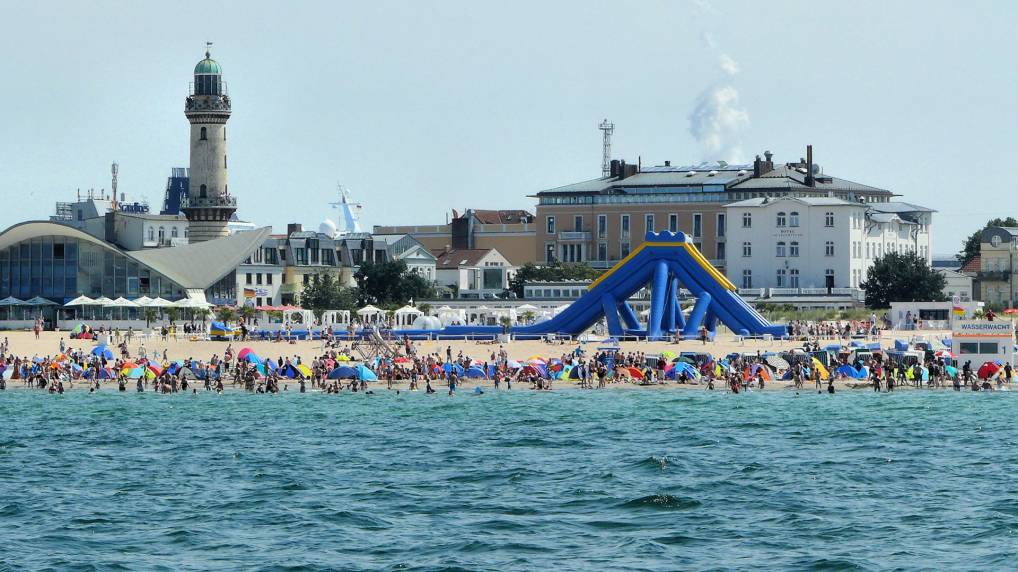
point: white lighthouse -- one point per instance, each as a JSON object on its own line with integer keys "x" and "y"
{"x": 208, "y": 205}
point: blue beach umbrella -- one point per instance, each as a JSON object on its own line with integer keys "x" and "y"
{"x": 102, "y": 350}
{"x": 343, "y": 372}
{"x": 366, "y": 374}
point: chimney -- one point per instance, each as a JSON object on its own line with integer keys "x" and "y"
{"x": 293, "y": 227}
{"x": 763, "y": 167}
{"x": 668, "y": 163}
{"x": 768, "y": 156}
{"x": 810, "y": 180}
{"x": 614, "y": 172}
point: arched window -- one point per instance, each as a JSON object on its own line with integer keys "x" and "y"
{"x": 174, "y": 232}
{"x": 781, "y": 219}
{"x": 793, "y": 248}
{"x": 793, "y": 278}
{"x": 162, "y": 234}
{"x": 203, "y": 134}
{"x": 780, "y": 250}
{"x": 203, "y": 192}
{"x": 793, "y": 218}
{"x": 151, "y": 233}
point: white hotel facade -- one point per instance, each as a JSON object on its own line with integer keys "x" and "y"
{"x": 818, "y": 242}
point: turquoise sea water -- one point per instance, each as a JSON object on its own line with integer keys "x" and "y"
{"x": 570, "y": 480}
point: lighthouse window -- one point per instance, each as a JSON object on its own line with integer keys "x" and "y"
{"x": 203, "y": 138}
{"x": 203, "y": 192}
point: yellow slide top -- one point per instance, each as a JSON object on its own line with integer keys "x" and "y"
{"x": 694, "y": 253}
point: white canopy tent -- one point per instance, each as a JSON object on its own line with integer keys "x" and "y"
{"x": 370, "y": 314}
{"x": 405, "y": 316}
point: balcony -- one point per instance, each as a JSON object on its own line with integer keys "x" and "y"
{"x": 575, "y": 235}
{"x": 991, "y": 275}
{"x": 225, "y": 201}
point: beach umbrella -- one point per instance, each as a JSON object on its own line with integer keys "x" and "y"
{"x": 102, "y": 350}
{"x": 343, "y": 372}
{"x": 401, "y": 360}
{"x": 366, "y": 374}
{"x": 12, "y": 301}
{"x": 80, "y": 301}
{"x": 951, "y": 371}
{"x": 778, "y": 362}
{"x": 475, "y": 373}
{"x": 512, "y": 364}
{"x": 154, "y": 369}
{"x": 144, "y": 301}
{"x": 943, "y": 354}
{"x": 529, "y": 370}
{"x": 668, "y": 355}
{"x": 635, "y": 372}
{"x": 40, "y": 301}
{"x": 243, "y": 353}
{"x": 160, "y": 303}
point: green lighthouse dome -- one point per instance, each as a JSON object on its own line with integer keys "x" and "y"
{"x": 208, "y": 66}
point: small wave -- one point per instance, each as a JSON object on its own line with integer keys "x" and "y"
{"x": 663, "y": 502}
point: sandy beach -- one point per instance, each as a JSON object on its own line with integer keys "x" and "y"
{"x": 25, "y": 345}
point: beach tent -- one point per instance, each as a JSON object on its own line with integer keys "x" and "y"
{"x": 366, "y": 374}
{"x": 846, "y": 370}
{"x": 680, "y": 368}
{"x": 988, "y": 370}
{"x": 475, "y": 373}
{"x": 243, "y": 353}
{"x": 824, "y": 374}
{"x": 452, "y": 367}
{"x": 102, "y": 350}
{"x": 900, "y": 345}
{"x": 762, "y": 370}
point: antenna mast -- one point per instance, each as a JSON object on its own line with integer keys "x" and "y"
{"x": 606, "y": 147}
{"x": 113, "y": 171}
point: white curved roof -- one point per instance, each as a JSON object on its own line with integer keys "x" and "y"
{"x": 193, "y": 266}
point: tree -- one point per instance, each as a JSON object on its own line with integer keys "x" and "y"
{"x": 323, "y": 292}
{"x": 150, "y": 315}
{"x": 553, "y": 272}
{"x": 173, "y": 314}
{"x": 248, "y": 314}
{"x": 226, "y": 314}
{"x": 902, "y": 277}
{"x": 390, "y": 282}
{"x": 970, "y": 248}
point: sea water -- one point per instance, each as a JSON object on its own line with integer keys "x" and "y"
{"x": 521, "y": 480}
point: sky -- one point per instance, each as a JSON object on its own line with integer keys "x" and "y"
{"x": 423, "y": 107}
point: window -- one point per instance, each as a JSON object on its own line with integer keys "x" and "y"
{"x": 781, "y": 219}
{"x": 793, "y": 278}
{"x": 602, "y": 251}
{"x": 747, "y": 278}
{"x": 721, "y": 251}
{"x": 722, "y": 223}
{"x": 624, "y": 250}
{"x": 268, "y": 279}
{"x": 174, "y": 232}
{"x": 779, "y": 280}
{"x": 995, "y": 241}
{"x": 578, "y": 223}
{"x": 747, "y": 220}
{"x": 624, "y": 225}
{"x": 224, "y": 161}
{"x": 829, "y": 219}
{"x": 151, "y": 233}
{"x": 829, "y": 248}
{"x": 793, "y": 218}
{"x": 648, "y": 223}
{"x": 793, "y": 248}
{"x": 258, "y": 278}
{"x": 549, "y": 252}
{"x": 550, "y": 225}
{"x": 203, "y": 192}
{"x": 602, "y": 225}
{"x": 747, "y": 249}
{"x": 780, "y": 250}
{"x": 697, "y": 225}
{"x": 247, "y": 278}
{"x": 203, "y": 134}
{"x": 673, "y": 222}
{"x": 162, "y": 234}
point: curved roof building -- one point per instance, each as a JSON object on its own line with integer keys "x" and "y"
{"x": 59, "y": 262}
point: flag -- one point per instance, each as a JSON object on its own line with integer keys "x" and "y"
{"x": 249, "y": 293}
{"x": 958, "y": 311}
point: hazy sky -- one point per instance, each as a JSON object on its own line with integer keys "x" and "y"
{"x": 420, "y": 107}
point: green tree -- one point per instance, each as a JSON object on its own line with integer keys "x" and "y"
{"x": 173, "y": 314}
{"x": 226, "y": 314}
{"x": 248, "y": 313}
{"x": 554, "y": 272}
{"x": 390, "y": 282}
{"x": 323, "y": 292}
{"x": 902, "y": 277}
{"x": 970, "y": 248}
{"x": 150, "y": 315}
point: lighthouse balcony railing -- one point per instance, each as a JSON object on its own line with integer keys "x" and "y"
{"x": 202, "y": 202}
